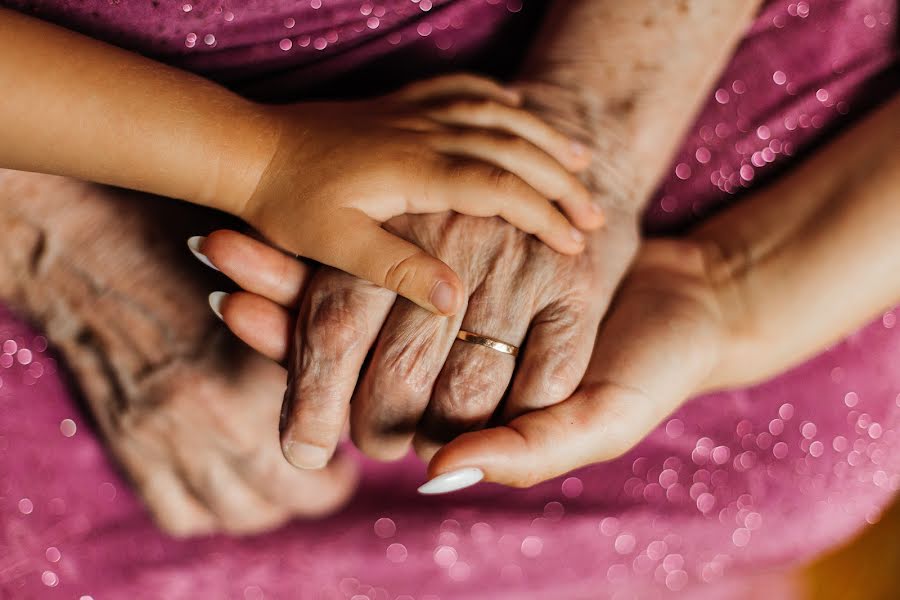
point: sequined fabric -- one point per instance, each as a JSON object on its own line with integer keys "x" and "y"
{"x": 731, "y": 484}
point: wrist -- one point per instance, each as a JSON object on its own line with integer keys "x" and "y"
{"x": 727, "y": 265}
{"x": 238, "y": 158}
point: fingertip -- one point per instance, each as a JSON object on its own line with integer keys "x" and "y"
{"x": 474, "y": 448}
{"x": 572, "y": 242}
{"x": 452, "y": 481}
{"x": 591, "y": 220}
{"x": 584, "y": 212}
{"x": 561, "y": 244}
{"x": 446, "y": 295}
{"x": 297, "y": 452}
{"x": 217, "y": 303}
{"x": 213, "y": 245}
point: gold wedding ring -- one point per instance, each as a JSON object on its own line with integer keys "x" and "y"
{"x": 487, "y": 342}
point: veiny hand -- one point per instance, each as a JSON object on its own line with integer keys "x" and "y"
{"x": 659, "y": 344}
{"x": 420, "y": 379}
{"x": 459, "y": 142}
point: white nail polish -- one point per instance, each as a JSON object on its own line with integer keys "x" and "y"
{"x": 194, "y": 246}
{"x": 452, "y": 481}
{"x": 215, "y": 302}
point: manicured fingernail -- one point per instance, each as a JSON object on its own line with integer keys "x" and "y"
{"x": 443, "y": 298}
{"x": 194, "y": 244}
{"x": 576, "y": 235}
{"x": 306, "y": 456}
{"x": 452, "y": 481}
{"x": 215, "y": 302}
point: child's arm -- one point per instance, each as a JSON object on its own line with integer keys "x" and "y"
{"x": 317, "y": 179}
{"x": 77, "y": 107}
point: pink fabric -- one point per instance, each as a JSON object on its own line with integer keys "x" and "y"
{"x": 731, "y": 484}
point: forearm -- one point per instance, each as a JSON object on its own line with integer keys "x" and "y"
{"x": 812, "y": 258}
{"x": 627, "y": 78}
{"x": 77, "y": 107}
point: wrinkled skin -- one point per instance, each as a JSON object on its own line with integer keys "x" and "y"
{"x": 420, "y": 385}
{"x": 187, "y": 412}
{"x": 661, "y": 341}
{"x": 418, "y": 374}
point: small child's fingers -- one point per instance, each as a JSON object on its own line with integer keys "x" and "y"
{"x": 486, "y": 114}
{"x": 483, "y": 190}
{"x": 529, "y": 162}
{"x": 458, "y": 85}
{"x": 358, "y": 245}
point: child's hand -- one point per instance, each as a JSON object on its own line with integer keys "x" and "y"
{"x": 341, "y": 169}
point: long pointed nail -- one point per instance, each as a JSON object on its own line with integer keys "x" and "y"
{"x": 452, "y": 481}
{"x": 215, "y": 302}
{"x": 194, "y": 244}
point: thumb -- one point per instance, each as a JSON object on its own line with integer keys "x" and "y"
{"x": 599, "y": 422}
{"x": 389, "y": 261}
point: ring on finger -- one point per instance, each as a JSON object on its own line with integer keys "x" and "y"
{"x": 487, "y": 342}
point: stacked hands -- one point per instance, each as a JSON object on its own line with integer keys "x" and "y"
{"x": 354, "y": 350}
{"x": 615, "y": 332}
{"x": 451, "y": 206}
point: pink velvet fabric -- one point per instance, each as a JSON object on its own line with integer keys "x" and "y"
{"x": 732, "y": 484}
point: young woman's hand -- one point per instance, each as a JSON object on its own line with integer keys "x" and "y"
{"x": 459, "y": 142}
{"x": 659, "y": 345}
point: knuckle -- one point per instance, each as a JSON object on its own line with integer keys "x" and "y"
{"x": 334, "y": 327}
{"x": 406, "y": 365}
{"x": 558, "y": 382}
{"x": 403, "y": 274}
{"x": 502, "y": 181}
{"x": 467, "y": 393}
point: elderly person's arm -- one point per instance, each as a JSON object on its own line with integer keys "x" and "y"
{"x": 627, "y": 78}
{"x": 755, "y": 291}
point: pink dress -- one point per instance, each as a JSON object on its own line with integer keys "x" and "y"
{"x": 731, "y": 484}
